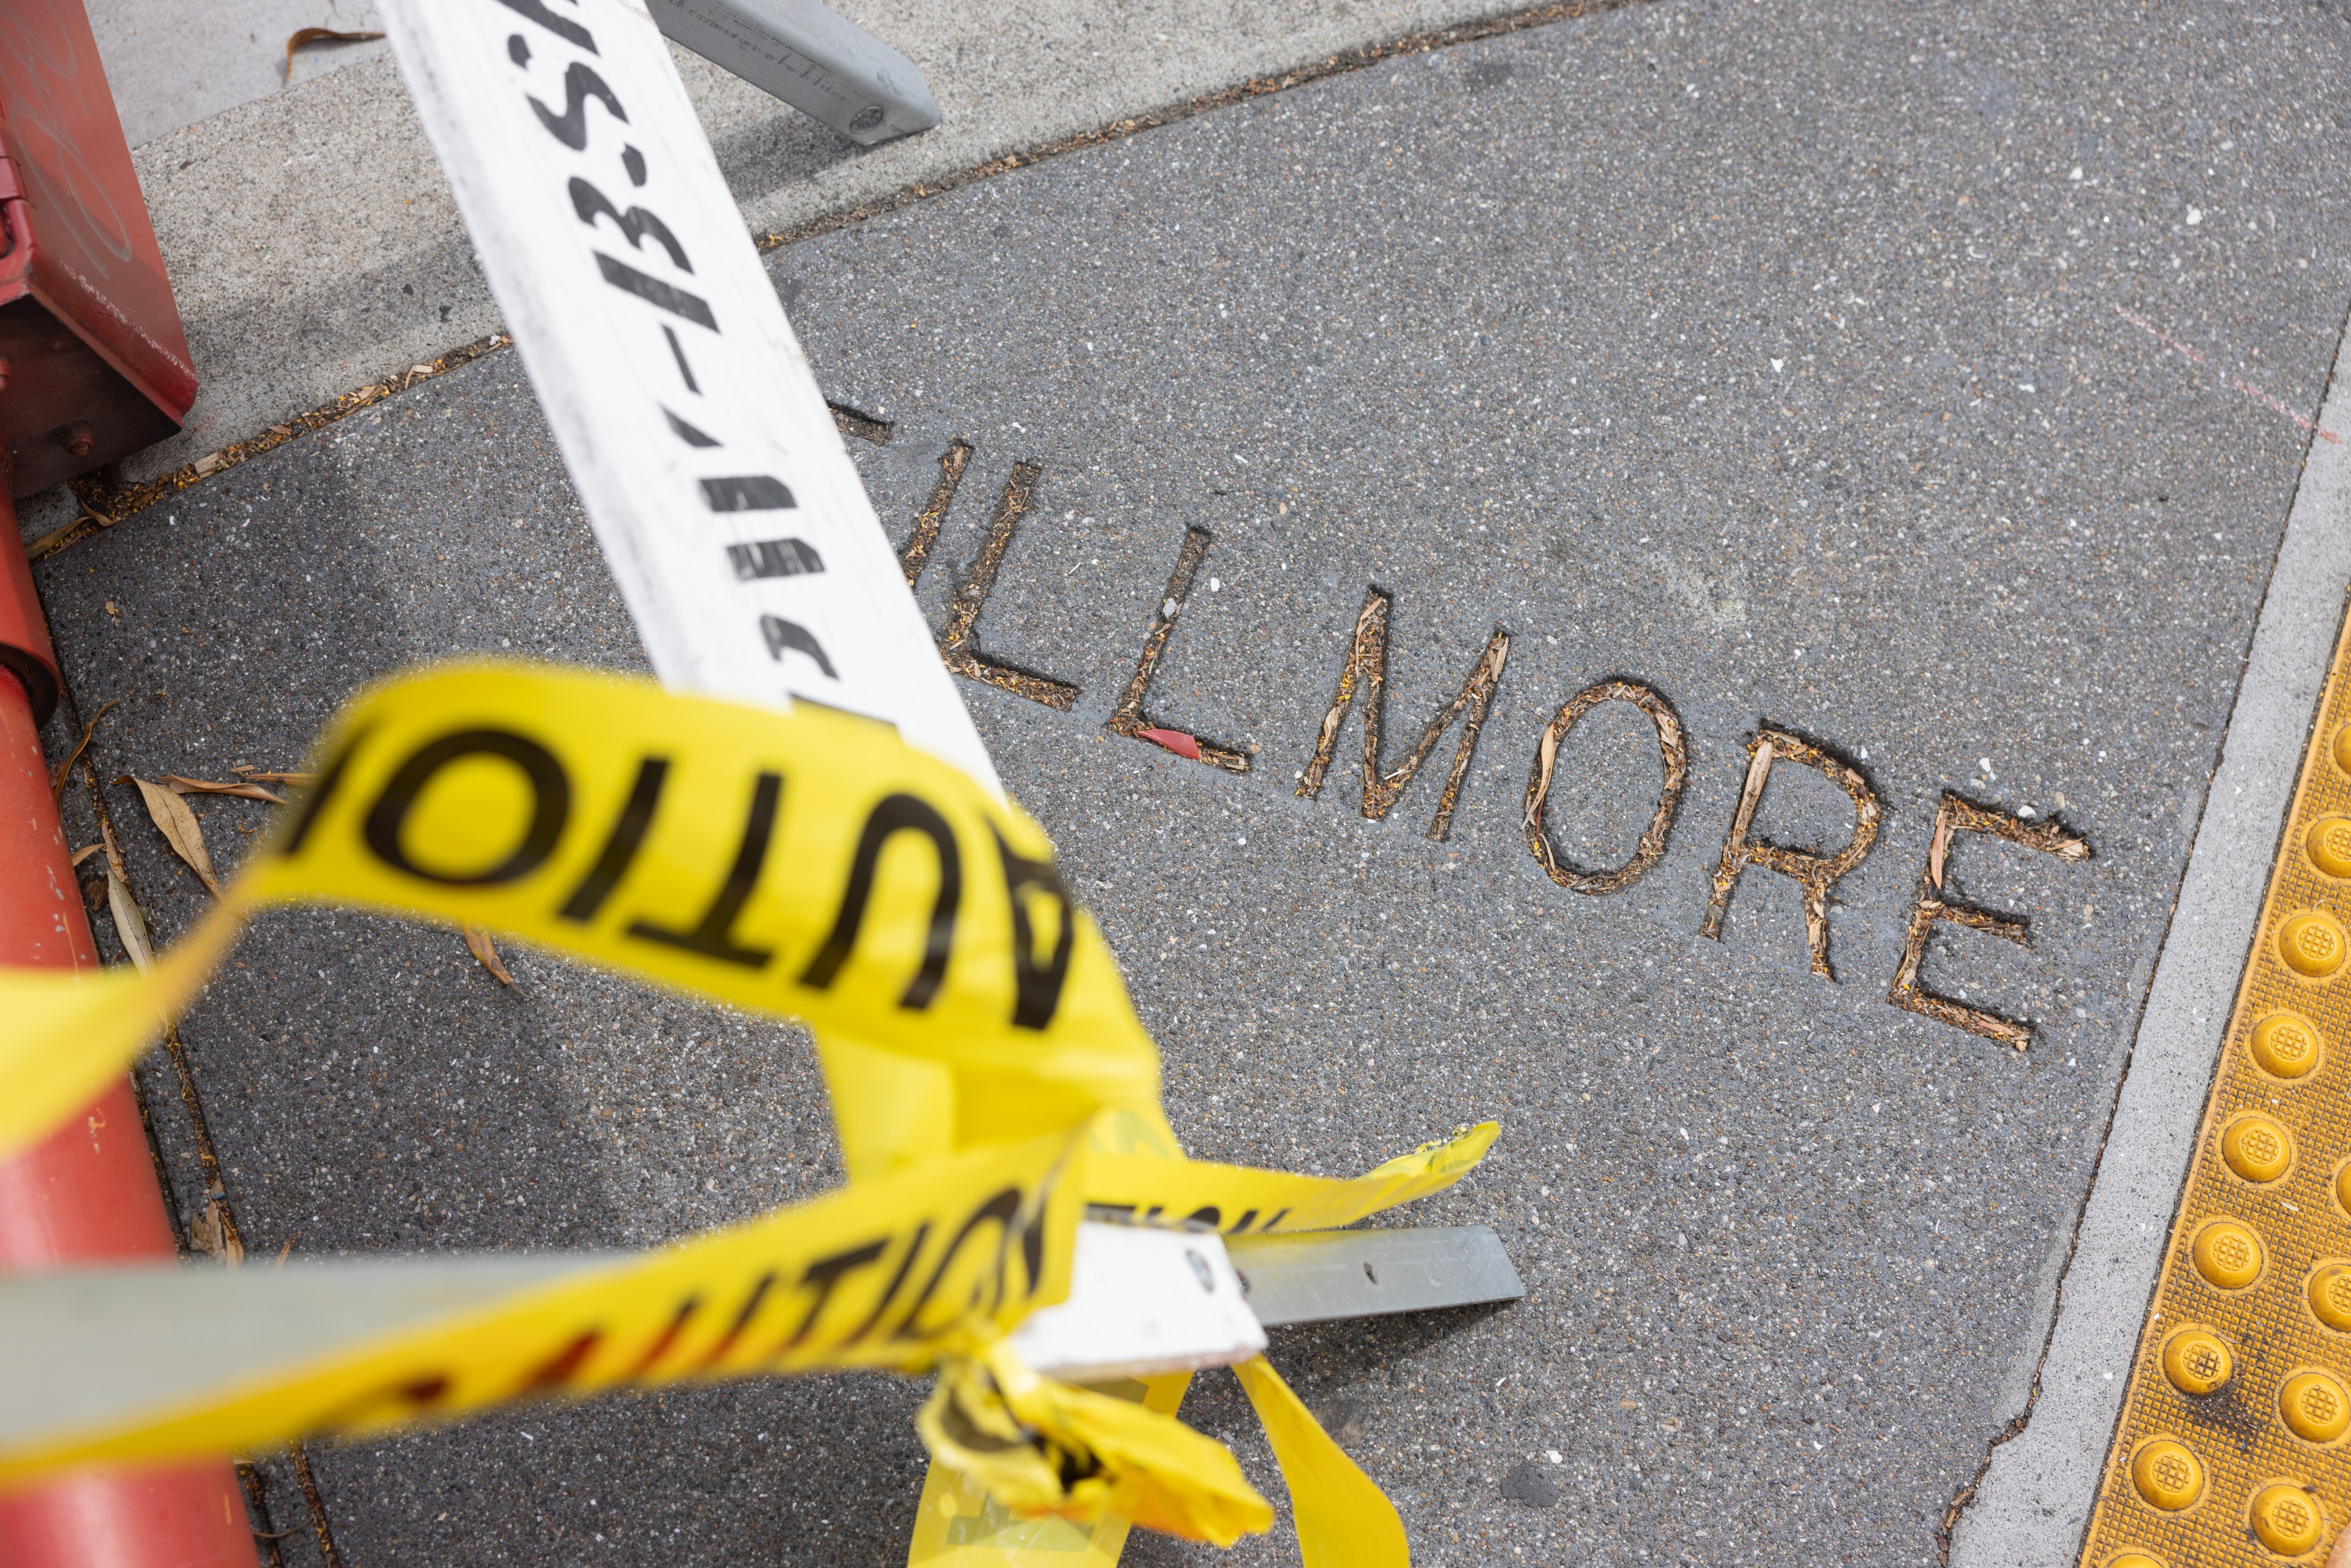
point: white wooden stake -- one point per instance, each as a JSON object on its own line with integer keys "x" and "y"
{"x": 685, "y": 409}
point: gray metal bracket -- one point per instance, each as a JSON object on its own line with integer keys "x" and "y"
{"x": 1318, "y": 1276}
{"x": 821, "y": 64}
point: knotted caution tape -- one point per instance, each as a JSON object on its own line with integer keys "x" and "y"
{"x": 989, "y": 1078}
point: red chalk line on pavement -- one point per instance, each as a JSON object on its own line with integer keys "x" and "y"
{"x": 2237, "y": 383}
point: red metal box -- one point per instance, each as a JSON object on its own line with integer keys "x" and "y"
{"x": 93, "y": 364}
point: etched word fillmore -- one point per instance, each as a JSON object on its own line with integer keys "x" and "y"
{"x": 1364, "y": 672}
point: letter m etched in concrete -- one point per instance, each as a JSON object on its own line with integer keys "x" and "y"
{"x": 1367, "y": 668}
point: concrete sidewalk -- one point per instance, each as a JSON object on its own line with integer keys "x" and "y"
{"x": 315, "y": 249}
{"x": 1807, "y": 363}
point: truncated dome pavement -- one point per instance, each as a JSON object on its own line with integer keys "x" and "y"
{"x": 1932, "y": 390}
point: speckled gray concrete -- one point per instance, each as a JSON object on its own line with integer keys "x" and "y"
{"x": 1768, "y": 353}
{"x": 314, "y": 247}
{"x": 171, "y": 66}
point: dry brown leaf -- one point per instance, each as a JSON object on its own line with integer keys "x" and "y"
{"x": 58, "y": 783}
{"x": 215, "y": 1236}
{"x": 255, "y": 775}
{"x": 56, "y": 540}
{"x": 179, "y": 827}
{"x": 478, "y": 942}
{"x": 242, "y": 789}
{"x": 114, "y": 865}
{"x": 301, "y": 35}
{"x": 129, "y": 924}
{"x": 87, "y": 850}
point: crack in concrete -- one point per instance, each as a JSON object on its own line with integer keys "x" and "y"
{"x": 2017, "y": 1423}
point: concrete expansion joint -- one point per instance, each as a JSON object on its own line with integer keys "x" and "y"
{"x": 100, "y": 504}
{"x": 105, "y": 501}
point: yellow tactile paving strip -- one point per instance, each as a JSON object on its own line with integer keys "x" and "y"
{"x": 2232, "y": 1445}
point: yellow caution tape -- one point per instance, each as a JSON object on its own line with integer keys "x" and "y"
{"x": 1046, "y": 1448}
{"x": 808, "y": 866}
{"x": 967, "y": 1517}
{"x": 1342, "y": 1518}
{"x": 1240, "y": 1201}
{"x": 893, "y": 1273}
{"x": 989, "y": 1079}
{"x": 958, "y": 1525}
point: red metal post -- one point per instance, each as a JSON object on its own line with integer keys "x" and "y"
{"x": 93, "y": 365}
{"x": 87, "y": 1191}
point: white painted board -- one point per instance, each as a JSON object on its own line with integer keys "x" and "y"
{"x": 709, "y": 466}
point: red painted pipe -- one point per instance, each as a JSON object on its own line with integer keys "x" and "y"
{"x": 87, "y": 1191}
